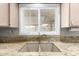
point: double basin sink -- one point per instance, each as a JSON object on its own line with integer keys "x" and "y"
{"x": 39, "y": 47}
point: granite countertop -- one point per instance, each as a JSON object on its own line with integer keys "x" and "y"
{"x": 67, "y": 49}
{"x": 67, "y": 46}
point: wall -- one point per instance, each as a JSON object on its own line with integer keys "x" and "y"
{"x": 9, "y": 31}
{"x": 66, "y": 32}
{"x": 15, "y": 31}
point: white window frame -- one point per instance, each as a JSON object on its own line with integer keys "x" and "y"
{"x": 57, "y": 22}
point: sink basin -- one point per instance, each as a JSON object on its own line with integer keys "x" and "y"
{"x": 42, "y": 47}
{"x": 48, "y": 47}
{"x": 30, "y": 47}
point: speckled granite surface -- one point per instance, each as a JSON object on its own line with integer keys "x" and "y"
{"x": 5, "y": 39}
{"x": 69, "y": 46}
{"x": 70, "y": 39}
{"x": 67, "y": 49}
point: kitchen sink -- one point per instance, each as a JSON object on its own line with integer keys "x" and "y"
{"x": 39, "y": 47}
{"x": 30, "y": 47}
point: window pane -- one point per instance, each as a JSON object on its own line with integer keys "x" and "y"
{"x": 31, "y": 20}
{"x": 47, "y": 20}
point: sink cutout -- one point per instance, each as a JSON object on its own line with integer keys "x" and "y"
{"x": 42, "y": 47}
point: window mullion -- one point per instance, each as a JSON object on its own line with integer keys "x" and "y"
{"x": 38, "y": 21}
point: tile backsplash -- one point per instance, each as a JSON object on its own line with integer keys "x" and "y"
{"x": 15, "y": 31}
{"x": 9, "y": 31}
{"x": 66, "y": 32}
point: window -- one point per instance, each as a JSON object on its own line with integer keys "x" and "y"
{"x": 39, "y": 20}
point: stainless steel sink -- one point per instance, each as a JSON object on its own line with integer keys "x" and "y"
{"x": 30, "y": 47}
{"x": 42, "y": 47}
{"x": 48, "y": 47}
